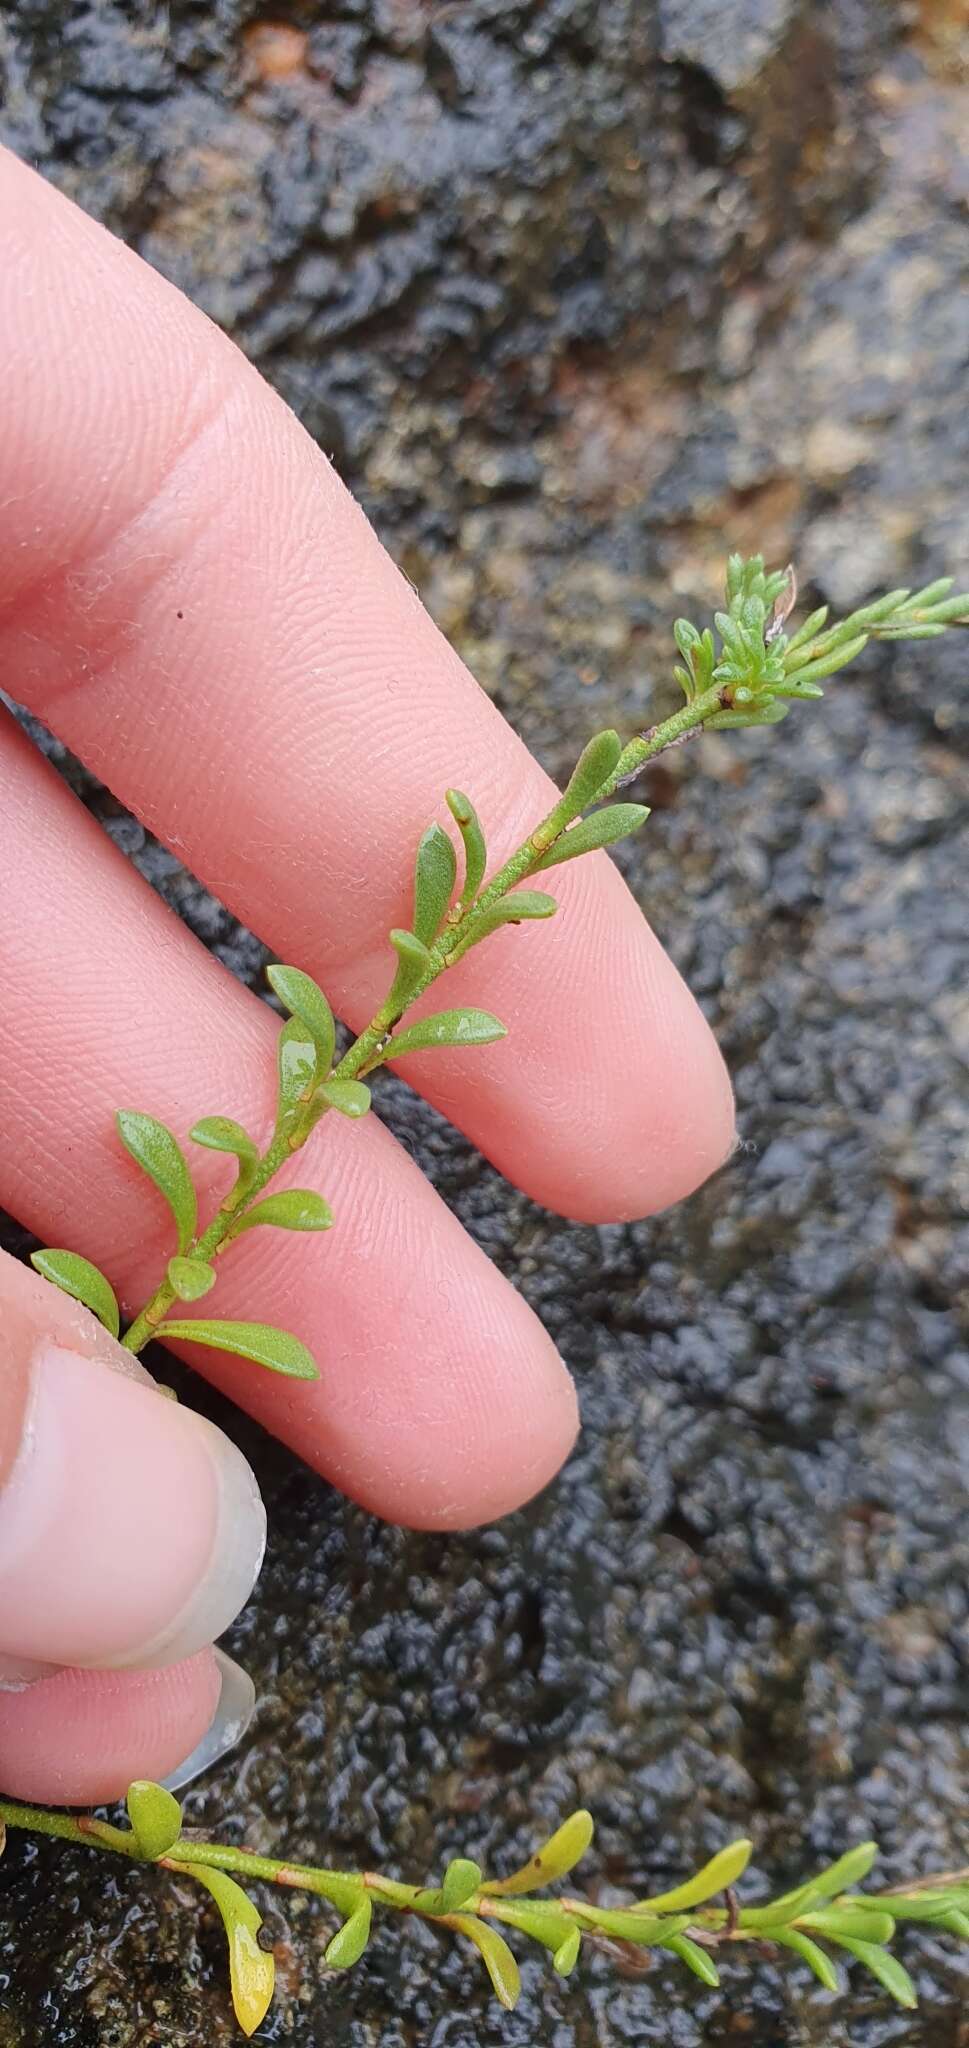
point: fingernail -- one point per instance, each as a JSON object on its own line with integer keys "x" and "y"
{"x": 131, "y": 1529}
{"x": 235, "y": 1709}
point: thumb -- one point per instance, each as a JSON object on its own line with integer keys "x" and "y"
{"x": 131, "y": 1529}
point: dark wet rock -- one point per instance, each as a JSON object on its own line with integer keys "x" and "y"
{"x": 579, "y": 295}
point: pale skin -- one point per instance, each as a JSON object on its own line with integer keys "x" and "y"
{"x": 191, "y": 600}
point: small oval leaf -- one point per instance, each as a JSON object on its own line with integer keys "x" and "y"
{"x": 351, "y": 1939}
{"x": 565, "y": 1958}
{"x": 518, "y": 907}
{"x": 475, "y": 851}
{"x": 849, "y": 1869}
{"x": 722, "y": 1870}
{"x": 155, "y": 1816}
{"x": 434, "y": 875}
{"x": 302, "y": 997}
{"x": 191, "y": 1278}
{"x": 498, "y": 1959}
{"x": 223, "y": 1134}
{"x": 351, "y": 1098}
{"x": 252, "y": 1971}
{"x": 696, "y": 1958}
{"x": 277, "y": 1350}
{"x": 76, "y": 1276}
{"x": 460, "y": 1882}
{"x": 885, "y": 1967}
{"x": 554, "y": 1859}
{"x": 297, "y": 1070}
{"x": 291, "y": 1209}
{"x": 810, "y": 1953}
{"x": 448, "y": 1027}
{"x": 157, "y": 1151}
{"x": 593, "y": 769}
{"x": 603, "y": 828}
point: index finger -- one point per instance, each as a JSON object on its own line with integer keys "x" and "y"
{"x": 190, "y": 598}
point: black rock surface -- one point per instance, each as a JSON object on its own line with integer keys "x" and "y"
{"x": 579, "y": 293}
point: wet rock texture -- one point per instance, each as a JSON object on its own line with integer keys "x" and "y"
{"x": 578, "y": 292}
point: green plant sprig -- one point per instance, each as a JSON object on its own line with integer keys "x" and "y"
{"x": 690, "y": 1923}
{"x": 746, "y": 671}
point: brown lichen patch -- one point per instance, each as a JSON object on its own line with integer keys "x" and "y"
{"x": 275, "y": 50}
{"x": 941, "y": 31}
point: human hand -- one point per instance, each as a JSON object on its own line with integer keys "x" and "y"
{"x": 190, "y": 599}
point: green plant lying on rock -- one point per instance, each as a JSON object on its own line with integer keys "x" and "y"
{"x": 747, "y": 672}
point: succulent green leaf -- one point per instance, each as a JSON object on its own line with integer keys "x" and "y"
{"x": 460, "y": 1882}
{"x": 953, "y": 1922}
{"x": 628, "y": 1924}
{"x": 252, "y": 1971}
{"x": 603, "y": 828}
{"x": 157, "y": 1151}
{"x": 297, "y": 1069}
{"x": 554, "y": 1859}
{"x": 722, "y": 1870}
{"x": 277, "y": 1350}
{"x": 351, "y": 1098}
{"x": 413, "y": 963}
{"x": 191, "y": 1278}
{"x": 769, "y": 713}
{"x": 566, "y": 1957}
{"x": 498, "y": 1959}
{"x": 861, "y": 1923}
{"x": 515, "y": 908}
{"x": 475, "y": 850}
{"x": 291, "y": 1209}
{"x": 806, "y": 633}
{"x": 155, "y": 1816}
{"x": 932, "y": 1906}
{"x": 810, "y": 1953}
{"x": 883, "y": 1966}
{"x": 223, "y": 1134}
{"x": 850, "y": 1869}
{"x": 594, "y": 768}
{"x": 304, "y": 1000}
{"x": 541, "y": 1919}
{"x": 448, "y": 1027}
{"x": 827, "y": 664}
{"x": 76, "y": 1276}
{"x": 351, "y": 1939}
{"x": 696, "y": 1958}
{"x": 434, "y": 876}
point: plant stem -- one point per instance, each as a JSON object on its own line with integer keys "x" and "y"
{"x": 371, "y": 1047}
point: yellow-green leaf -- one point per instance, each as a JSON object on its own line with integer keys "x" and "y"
{"x": 810, "y": 1953}
{"x": 252, "y": 1971}
{"x": 498, "y": 1959}
{"x": 722, "y": 1870}
{"x": 554, "y": 1859}
{"x": 155, "y": 1816}
{"x": 351, "y": 1939}
{"x": 885, "y": 1967}
{"x": 696, "y": 1958}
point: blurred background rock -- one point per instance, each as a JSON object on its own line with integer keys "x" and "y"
{"x": 578, "y": 294}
